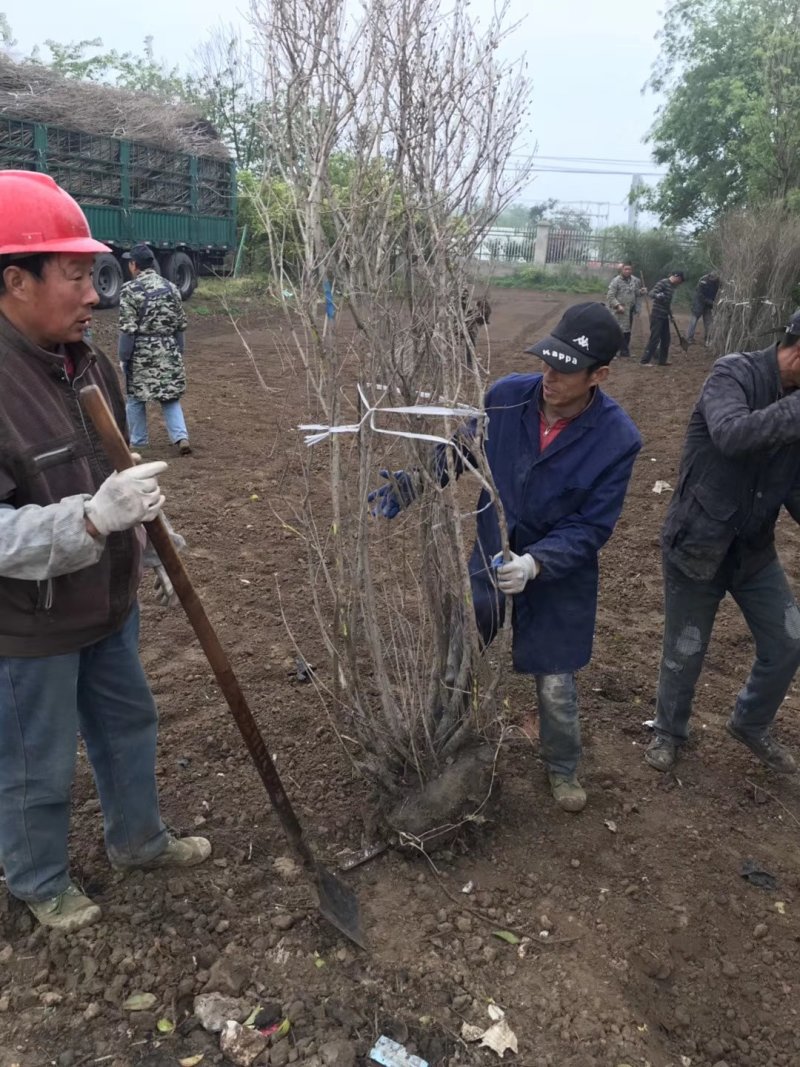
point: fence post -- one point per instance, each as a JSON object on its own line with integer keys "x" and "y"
{"x": 540, "y": 247}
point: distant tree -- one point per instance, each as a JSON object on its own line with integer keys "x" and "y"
{"x": 728, "y": 133}
{"x": 525, "y": 216}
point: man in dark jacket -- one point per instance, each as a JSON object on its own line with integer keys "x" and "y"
{"x": 70, "y": 565}
{"x": 740, "y": 465}
{"x": 703, "y": 301}
{"x": 561, "y": 454}
{"x": 661, "y": 296}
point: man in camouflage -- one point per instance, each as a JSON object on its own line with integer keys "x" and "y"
{"x": 152, "y": 322}
{"x": 623, "y": 299}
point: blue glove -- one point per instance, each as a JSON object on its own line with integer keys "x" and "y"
{"x": 398, "y": 493}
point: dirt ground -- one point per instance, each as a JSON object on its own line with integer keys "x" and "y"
{"x": 657, "y": 951}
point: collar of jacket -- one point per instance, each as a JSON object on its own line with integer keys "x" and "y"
{"x": 576, "y": 427}
{"x": 12, "y": 339}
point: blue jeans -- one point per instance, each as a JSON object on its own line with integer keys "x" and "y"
{"x": 559, "y": 722}
{"x": 173, "y": 419}
{"x": 690, "y": 607}
{"x": 45, "y": 702}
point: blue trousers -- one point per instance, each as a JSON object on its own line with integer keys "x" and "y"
{"x": 557, "y": 694}
{"x": 136, "y": 411}
{"x": 100, "y": 692}
{"x": 690, "y": 607}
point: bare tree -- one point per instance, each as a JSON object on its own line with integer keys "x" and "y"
{"x": 392, "y": 133}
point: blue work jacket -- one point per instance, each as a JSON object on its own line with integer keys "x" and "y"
{"x": 561, "y": 506}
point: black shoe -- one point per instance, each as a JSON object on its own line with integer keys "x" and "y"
{"x": 661, "y": 753}
{"x": 771, "y": 752}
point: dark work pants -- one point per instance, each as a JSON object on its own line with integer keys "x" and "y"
{"x": 690, "y": 607}
{"x": 659, "y": 338}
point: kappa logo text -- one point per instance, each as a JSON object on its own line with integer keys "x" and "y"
{"x": 563, "y": 357}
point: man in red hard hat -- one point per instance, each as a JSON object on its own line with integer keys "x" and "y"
{"x": 70, "y": 565}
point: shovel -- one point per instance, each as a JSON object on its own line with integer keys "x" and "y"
{"x": 681, "y": 339}
{"x": 337, "y": 902}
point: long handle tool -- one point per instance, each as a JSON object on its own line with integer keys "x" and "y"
{"x": 337, "y": 901}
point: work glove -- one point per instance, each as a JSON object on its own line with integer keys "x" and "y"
{"x": 401, "y": 489}
{"x": 126, "y": 498}
{"x": 165, "y": 593}
{"x": 512, "y": 577}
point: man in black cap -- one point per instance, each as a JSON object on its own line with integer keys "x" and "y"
{"x": 152, "y": 322}
{"x": 740, "y": 465}
{"x": 661, "y": 296}
{"x": 561, "y": 454}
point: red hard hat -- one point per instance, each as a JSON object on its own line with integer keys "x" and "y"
{"x": 36, "y": 215}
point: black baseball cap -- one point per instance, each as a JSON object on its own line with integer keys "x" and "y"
{"x": 587, "y": 336}
{"x": 141, "y": 255}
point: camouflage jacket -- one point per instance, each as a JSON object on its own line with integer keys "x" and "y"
{"x": 624, "y": 291}
{"x": 151, "y": 310}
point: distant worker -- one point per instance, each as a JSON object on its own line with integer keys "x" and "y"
{"x": 661, "y": 295}
{"x": 475, "y": 316}
{"x": 703, "y": 306}
{"x": 152, "y": 322}
{"x": 624, "y": 298}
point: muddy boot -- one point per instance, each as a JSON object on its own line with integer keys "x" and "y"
{"x": 661, "y": 753}
{"x": 771, "y": 752}
{"x": 69, "y": 911}
{"x": 184, "y": 448}
{"x": 180, "y": 852}
{"x": 568, "y": 793}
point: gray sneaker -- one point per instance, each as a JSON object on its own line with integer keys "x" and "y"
{"x": 568, "y": 793}
{"x": 180, "y": 852}
{"x": 661, "y": 753}
{"x": 69, "y": 911}
{"x": 771, "y": 752}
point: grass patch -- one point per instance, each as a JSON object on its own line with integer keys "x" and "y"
{"x": 563, "y": 279}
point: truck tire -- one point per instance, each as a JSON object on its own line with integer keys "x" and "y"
{"x": 107, "y": 280}
{"x": 178, "y": 268}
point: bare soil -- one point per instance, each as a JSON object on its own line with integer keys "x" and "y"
{"x": 644, "y": 943}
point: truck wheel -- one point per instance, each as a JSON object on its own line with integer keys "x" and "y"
{"x": 107, "y": 280}
{"x": 179, "y": 269}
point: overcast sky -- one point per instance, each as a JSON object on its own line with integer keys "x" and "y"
{"x": 587, "y": 59}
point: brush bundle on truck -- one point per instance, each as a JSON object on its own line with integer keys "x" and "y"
{"x": 142, "y": 170}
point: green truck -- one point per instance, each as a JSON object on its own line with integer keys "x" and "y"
{"x": 182, "y": 205}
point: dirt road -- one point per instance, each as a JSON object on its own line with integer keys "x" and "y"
{"x": 657, "y": 950}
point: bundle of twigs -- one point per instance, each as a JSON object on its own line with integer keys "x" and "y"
{"x": 758, "y": 252}
{"x": 34, "y": 93}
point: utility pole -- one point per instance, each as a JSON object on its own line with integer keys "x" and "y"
{"x": 633, "y": 204}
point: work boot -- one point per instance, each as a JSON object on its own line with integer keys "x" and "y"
{"x": 69, "y": 911}
{"x": 661, "y": 753}
{"x": 184, "y": 447}
{"x": 180, "y": 852}
{"x": 567, "y": 792}
{"x": 771, "y": 752}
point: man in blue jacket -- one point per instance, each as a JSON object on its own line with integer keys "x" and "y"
{"x": 561, "y": 453}
{"x": 740, "y": 465}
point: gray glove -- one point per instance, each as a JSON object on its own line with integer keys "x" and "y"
{"x": 126, "y": 498}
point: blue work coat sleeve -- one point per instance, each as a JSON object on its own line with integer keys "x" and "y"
{"x": 734, "y": 428}
{"x": 577, "y": 538}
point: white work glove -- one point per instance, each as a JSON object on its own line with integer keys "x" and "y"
{"x": 512, "y": 577}
{"x": 165, "y": 592}
{"x": 126, "y": 498}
